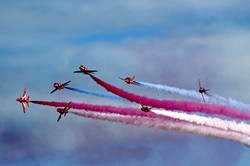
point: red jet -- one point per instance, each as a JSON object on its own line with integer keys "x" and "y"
{"x": 24, "y": 100}
{"x": 62, "y": 111}
{"x": 129, "y": 80}
{"x": 85, "y": 70}
{"x": 145, "y": 108}
{"x": 59, "y": 86}
{"x": 202, "y": 91}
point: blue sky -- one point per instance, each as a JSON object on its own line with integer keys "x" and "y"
{"x": 169, "y": 42}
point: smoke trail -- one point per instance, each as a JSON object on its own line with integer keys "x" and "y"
{"x": 101, "y": 108}
{"x": 216, "y": 99}
{"x": 211, "y": 122}
{"x": 241, "y": 127}
{"x": 165, "y": 123}
{"x": 174, "y": 105}
{"x": 232, "y": 102}
{"x": 98, "y": 94}
{"x": 168, "y": 125}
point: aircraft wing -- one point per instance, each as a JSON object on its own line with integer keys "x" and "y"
{"x": 68, "y": 105}
{"x": 78, "y": 71}
{"x": 53, "y": 90}
{"x": 59, "y": 117}
{"x": 66, "y": 83}
{"x": 24, "y": 107}
{"x": 136, "y": 83}
{"x": 91, "y": 71}
{"x": 121, "y": 78}
{"x": 24, "y": 92}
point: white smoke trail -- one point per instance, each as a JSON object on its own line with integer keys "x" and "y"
{"x": 228, "y": 125}
{"x": 168, "y": 125}
{"x": 216, "y": 99}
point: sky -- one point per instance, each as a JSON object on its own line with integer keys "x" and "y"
{"x": 171, "y": 42}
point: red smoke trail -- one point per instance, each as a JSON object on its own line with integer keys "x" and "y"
{"x": 135, "y": 117}
{"x": 101, "y": 109}
{"x": 175, "y": 105}
{"x": 109, "y": 109}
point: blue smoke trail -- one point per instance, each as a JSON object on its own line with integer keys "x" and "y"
{"x": 98, "y": 94}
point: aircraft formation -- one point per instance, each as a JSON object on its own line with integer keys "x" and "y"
{"x": 24, "y": 99}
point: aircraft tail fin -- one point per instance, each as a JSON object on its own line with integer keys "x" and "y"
{"x": 28, "y": 98}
